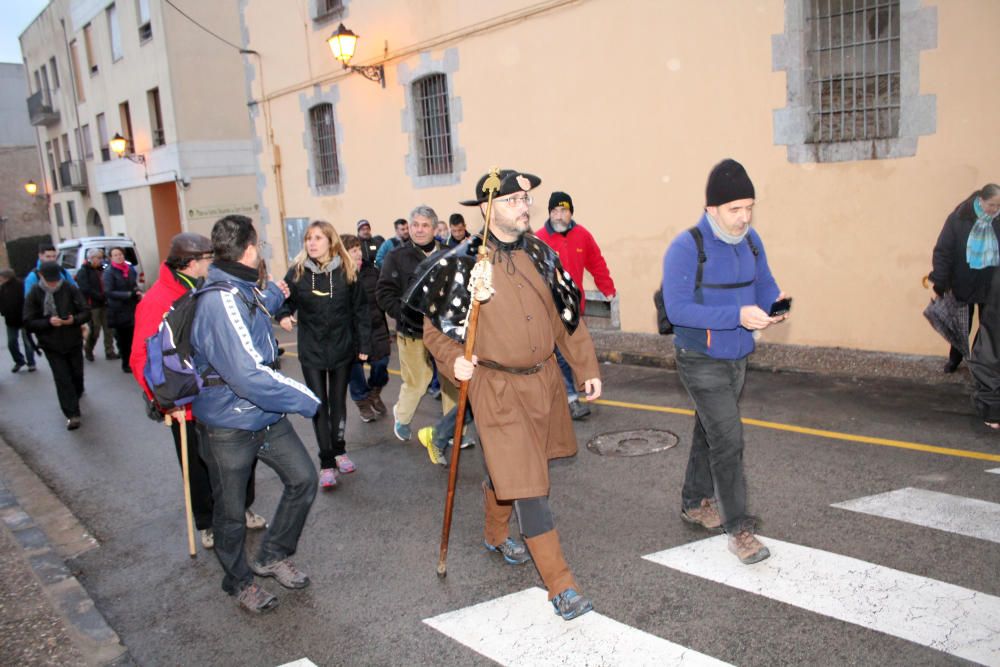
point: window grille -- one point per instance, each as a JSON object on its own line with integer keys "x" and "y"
{"x": 853, "y": 49}
{"x": 433, "y": 125}
{"x": 324, "y": 135}
{"x": 326, "y": 7}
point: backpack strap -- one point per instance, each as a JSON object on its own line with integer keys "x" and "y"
{"x": 699, "y": 241}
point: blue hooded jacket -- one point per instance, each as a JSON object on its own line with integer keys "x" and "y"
{"x": 711, "y": 324}
{"x": 239, "y": 346}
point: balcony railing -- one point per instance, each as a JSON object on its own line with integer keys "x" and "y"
{"x": 40, "y": 111}
{"x": 73, "y": 175}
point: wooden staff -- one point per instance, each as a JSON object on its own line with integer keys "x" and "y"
{"x": 181, "y": 423}
{"x": 480, "y": 292}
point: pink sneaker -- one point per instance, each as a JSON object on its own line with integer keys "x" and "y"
{"x": 327, "y": 478}
{"x": 344, "y": 464}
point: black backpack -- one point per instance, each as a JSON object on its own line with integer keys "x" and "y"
{"x": 662, "y": 321}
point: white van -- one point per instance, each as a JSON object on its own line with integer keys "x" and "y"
{"x": 73, "y": 253}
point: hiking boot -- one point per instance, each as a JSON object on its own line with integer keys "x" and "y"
{"x": 569, "y": 604}
{"x": 18, "y": 366}
{"x": 284, "y": 571}
{"x": 513, "y": 552}
{"x": 400, "y": 430}
{"x": 207, "y": 538}
{"x": 704, "y": 515}
{"x": 327, "y": 478}
{"x": 368, "y": 413}
{"x": 256, "y": 600}
{"x": 578, "y": 410}
{"x": 426, "y": 438}
{"x": 467, "y": 441}
{"x": 747, "y": 547}
{"x": 73, "y": 423}
{"x": 88, "y": 355}
{"x": 376, "y": 400}
{"x": 344, "y": 464}
{"x": 113, "y": 356}
{"x": 255, "y": 521}
{"x": 32, "y": 369}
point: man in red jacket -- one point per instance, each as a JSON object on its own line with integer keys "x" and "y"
{"x": 577, "y": 251}
{"x": 184, "y": 269}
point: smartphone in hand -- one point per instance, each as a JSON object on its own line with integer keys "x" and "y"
{"x": 779, "y": 308}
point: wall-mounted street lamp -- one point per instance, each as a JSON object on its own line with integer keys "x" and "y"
{"x": 31, "y": 188}
{"x": 119, "y": 145}
{"x": 342, "y": 44}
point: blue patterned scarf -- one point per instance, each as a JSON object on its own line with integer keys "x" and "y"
{"x": 982, "y": 249}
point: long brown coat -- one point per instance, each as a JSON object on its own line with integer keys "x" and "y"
{"x": 522, "y": 420}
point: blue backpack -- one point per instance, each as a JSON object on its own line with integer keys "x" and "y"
{"x": 170, "y": 372}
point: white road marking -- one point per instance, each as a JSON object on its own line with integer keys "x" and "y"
{"x": 949, "y": 618}
{"x": 995, "y": 471}
{"x": 932, "y": 509}
{"x": 302, "y": 662}
{"x": 523, "y": 629}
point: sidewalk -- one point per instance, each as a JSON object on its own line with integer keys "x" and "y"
{"x": 46, "y": 616}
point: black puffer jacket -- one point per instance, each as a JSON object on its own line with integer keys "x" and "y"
{"x": 12, "y": 302}
{"x": 69, "y": 301}
{"x": 951, "y": 270}
{"x": 122, "y": 294}
{"x": 397, "y": 274}
{"x": 91, "y": 284}
{"x": 380, "y": 328}
{"x": 333, "y": 321}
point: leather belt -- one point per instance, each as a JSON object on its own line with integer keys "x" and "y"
{"x": 531, "y": 370}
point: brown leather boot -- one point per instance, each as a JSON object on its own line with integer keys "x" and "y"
{"x": 375, "y": 397}
{"x": 367, "y": 411}
{"x": 496, "y": 526}
{"x": 552, "y": 567}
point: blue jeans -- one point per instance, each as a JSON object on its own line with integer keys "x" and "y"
{"x": 715, "y": 464}
{"x": 444, "y": 430}
{"x": 229, "y": 454}
{"x": 377, "y": 377}
{"x": 567, "y": 373}
{"x": 14, "y": 334}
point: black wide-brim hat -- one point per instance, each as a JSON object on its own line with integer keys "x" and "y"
{"x": 511, "y": 181}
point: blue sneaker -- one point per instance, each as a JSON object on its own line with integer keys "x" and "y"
{"x": 569, "y": 604}
{"x": 401, "y": 430}
{"x": 513, "y": 552}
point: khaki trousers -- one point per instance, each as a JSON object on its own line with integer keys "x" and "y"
{"x": 415, "y": 369}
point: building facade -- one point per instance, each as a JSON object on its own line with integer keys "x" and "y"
{"x": 153, "y": 73}
{"x": 862, "y": 123}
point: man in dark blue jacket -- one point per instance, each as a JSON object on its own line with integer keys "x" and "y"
{"x": 716, "y": 320}
{"x": 241, "y": 415}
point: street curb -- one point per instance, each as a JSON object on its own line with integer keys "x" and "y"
{"x": 71, "y": 601}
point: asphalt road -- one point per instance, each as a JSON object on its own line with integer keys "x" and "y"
{"x": 370, "y": 546}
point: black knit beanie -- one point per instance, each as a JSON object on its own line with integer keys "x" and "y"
{"x": 728, "y": 181}
{"x": 560, "y": 199}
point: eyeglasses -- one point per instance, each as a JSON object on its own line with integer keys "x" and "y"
{"x": 514, "y": 202}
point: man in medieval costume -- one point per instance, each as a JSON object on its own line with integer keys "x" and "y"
{"x": 515, "y": 386}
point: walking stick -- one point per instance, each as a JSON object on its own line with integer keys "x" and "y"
{"x": 187, "y": 485}
{"x": 480, "y": 289}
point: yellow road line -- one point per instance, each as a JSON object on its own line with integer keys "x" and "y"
{"x": 820, "y": 433}
{"x": 804, "y": 430}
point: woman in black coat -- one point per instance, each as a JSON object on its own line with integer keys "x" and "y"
{"x": 966, "y": 255}
{"x": 327, "y": 303}
{"x": 121, "y": 287}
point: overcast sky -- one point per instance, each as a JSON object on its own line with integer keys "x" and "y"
{"x": 15, "y": 15}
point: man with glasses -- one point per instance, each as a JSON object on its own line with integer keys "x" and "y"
{"x": 577, "y": 251}
{"x": 185, "y": 269}
{"x": 397, "y": 275}
{"x": 516, "y": 390}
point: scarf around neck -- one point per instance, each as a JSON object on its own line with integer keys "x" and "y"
{"x": 731, "y": 239}
{"x": 982, "y": 249}
{"x": 237, "y": 270}
{"x": 122, "y": 267}
{"x": 49, "y": 304}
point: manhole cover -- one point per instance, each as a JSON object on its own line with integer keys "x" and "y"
{"x": 633, "y": 443}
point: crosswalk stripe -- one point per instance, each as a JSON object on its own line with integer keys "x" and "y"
{"x": 522, "y": 629}
{"x": 301, "y": 662}
{"x": 932, "y": 509}
{"x": 945, "y": 617}
{"x": 995, "y": 471}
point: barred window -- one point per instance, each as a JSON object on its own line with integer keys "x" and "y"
{"x": 854, "y": 56}
{"x": 325, "y": 8}
{"x": 433, "y": 125}
{"x": 325, "y": 165}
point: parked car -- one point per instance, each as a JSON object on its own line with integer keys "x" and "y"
{"x": 73, "y": 253}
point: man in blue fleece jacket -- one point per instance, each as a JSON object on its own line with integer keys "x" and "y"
{"x": 715, "y": 321}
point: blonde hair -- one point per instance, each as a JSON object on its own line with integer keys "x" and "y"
{"x": 336, "y": 248}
